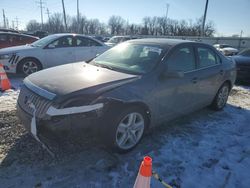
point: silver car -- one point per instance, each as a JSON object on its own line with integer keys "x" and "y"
{"x": 50, "y": 51}
{"x": 127, "y": 90}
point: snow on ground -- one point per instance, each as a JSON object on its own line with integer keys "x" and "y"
{"x": 204, "y": 149}
{"x": 8, "y": 98}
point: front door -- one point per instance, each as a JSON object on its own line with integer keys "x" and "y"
{"x": 176, "y": 95}
{"x": 59, "y": 52}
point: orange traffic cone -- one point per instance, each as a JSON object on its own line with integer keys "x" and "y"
{"x": 145, "y": 173}
{"x": 4, "y": 81}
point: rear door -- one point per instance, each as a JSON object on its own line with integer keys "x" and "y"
{"x": 86, "y": 48}
{"x": 210, "y": 73}
{"x": 176, "y": 96}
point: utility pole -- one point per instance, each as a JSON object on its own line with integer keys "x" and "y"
{"x": 41, "y": 3}
{"x": 167, "y": 5}
{"x": 239, "y": 46}
{"x": 48, "y": 13}
{"x": 64, "y": 15}
{"x": 4, "y": 19}
{"x": 78, "y": 17}
{"x": 204, "y": 19}
{"x": 17, "y": 23}
{"x": 7, "y": 23}
{"x": 13, "y": 24}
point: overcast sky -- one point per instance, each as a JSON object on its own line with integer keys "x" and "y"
{"x": 229, "y": 16}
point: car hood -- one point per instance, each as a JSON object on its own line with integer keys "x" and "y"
{"x": 16, "y": 49}
{"x": 241, "y": 60}
{"x": 77, "y": 78}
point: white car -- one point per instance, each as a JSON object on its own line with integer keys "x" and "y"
{"x": 50, "y": 51}
{"x": 226, "y": 49}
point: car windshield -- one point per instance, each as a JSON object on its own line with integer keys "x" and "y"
{"x": 132, "y": 58}
{"x": 44, "y": 41}
{"x": 245, "y": 52}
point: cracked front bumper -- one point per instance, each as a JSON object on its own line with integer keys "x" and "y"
{"x": 62, "y": 124}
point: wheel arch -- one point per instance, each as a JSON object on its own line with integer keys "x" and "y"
{"x": 226, "y": 81}
{"x": 229, "y": 83}
{"x": 119, "y": 104}
{"x": 25, "y": 58}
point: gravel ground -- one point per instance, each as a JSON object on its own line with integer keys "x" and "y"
{"x": 204, "y": 149}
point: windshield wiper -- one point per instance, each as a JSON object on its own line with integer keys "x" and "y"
{"x": 103, "y": 66}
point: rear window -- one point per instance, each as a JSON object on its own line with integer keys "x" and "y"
{"x": 207, "y": 57}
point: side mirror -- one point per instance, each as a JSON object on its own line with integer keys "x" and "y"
{"x": 51, "y": 46}
{"x": 173, "y": 74}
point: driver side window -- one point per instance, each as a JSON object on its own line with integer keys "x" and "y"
{"x": 182, "y": 59}
{"x": 63, "y": 42}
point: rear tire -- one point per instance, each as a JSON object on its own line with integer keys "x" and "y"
{"x": 28, "y": 66}
{"x": 221, "y": 97}
{"x": 123, "y": 130}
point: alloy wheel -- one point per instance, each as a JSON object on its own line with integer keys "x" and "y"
{"x": 222, "y": 96}
{"x": 29, "y": 67}
{"x": 130, "y": 130}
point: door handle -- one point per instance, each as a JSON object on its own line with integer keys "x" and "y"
{"x": 195, "y": 80}
{"x": 221, "y": 72}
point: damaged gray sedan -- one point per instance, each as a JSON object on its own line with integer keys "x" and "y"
{"x": 127, "y": 90}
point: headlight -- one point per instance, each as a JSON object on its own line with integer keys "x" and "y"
{"x": 6, "y": 56}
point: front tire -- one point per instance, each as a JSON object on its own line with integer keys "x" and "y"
{"x": 125, "y": 130}
{"x": 221, "y": 97}
{"x": 29, "y": 66}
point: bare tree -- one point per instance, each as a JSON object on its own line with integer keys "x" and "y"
{"x": 33, "y": 25}
{"x": 56, "y": 22}
{"x": 116, "y": 24}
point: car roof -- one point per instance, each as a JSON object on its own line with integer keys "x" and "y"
{"x": 163, "y": 42}
{"x": 71, "y": 34}
{"x": 9, "y": 30}
{"x": 75, "y": 34}
{"x": 20, "y": 34}
{"x": 67, "y": 34}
